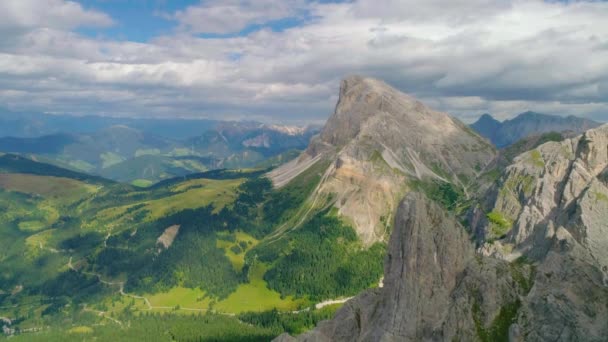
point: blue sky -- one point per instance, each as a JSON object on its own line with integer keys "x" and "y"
{"x": 142, "y": 20}
{"x": 282, "y": 60}
{"x": 136, "y": 20}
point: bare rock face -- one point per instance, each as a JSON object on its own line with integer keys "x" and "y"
{"x": 551, "y": 206}
{"x": 377, "y": 140}
{"x": 557, "y": 185}
{"x": 427, "y": 252}
{"x": 569, "y": 300}
{"x": 435, "y": 289}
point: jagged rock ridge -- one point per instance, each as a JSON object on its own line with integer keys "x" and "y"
{"x": 559, "y": 185}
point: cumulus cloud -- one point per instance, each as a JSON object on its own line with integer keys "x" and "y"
{"x": 228, "y": 16}
{"x": 464, "y": 57}
{"x": 16, "y": 15}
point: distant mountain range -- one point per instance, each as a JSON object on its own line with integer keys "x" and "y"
{"x": 505, "y": 133}
{"x": 29, "y": 125}
{"x": 152, "y": 151}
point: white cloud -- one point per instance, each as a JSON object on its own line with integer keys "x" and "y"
{"x": 229, "y": 16}
{"x": 18, "y": 15}
{"x": 464, "y": 57}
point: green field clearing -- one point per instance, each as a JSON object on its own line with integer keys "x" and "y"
{"x": 36, "y": 244}
{"x": 216, "y": 192}
{"x": 237, "y": 259}
{"x": 256, "y": 296}
{"x": 188, "y": 195}
{"x": 39, "y": 239}
{"x": 180, "y": 152}
{"x": 81, "y": 330}
{"x": 192, "y": 165}
{"x": 31, "y": 226}
{"x": 82, "y": 165}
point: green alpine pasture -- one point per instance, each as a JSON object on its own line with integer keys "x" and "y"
{"x": 221, "y": 255}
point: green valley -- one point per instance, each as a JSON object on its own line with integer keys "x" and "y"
{"x": 82, "y": 256}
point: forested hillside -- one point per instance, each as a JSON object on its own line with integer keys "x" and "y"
{"x": 78, "y": 251}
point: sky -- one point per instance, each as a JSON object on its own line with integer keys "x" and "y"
{"x": 282, "y": 60}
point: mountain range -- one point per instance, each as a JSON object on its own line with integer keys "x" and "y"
{"x": 503, "y": 134}
{"x": 31, "y": 125}
{"x": 396, "y": 223}
{"x": 126, "y": 154}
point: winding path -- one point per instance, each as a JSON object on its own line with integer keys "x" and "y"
{"x": 102, "y": 314}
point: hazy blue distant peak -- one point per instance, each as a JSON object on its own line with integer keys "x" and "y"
{"x": 528, "y": 123}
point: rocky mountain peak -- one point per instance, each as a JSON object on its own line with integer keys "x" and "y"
{"x": 486, "y": 117}
{"x": 359, "y": 99}
{"x": 377, "y": 140}
{"x": 362, "y": 100}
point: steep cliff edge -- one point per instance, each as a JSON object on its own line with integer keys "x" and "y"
{"x": 434, "y": 288}
{"x": 557, "y": 186}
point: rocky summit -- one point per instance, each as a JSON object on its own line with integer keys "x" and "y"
{"x": 377, "y": 142}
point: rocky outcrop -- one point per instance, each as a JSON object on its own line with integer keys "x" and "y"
{"x": 551, "y": 206}
{"x": 378, "y": 140}
{"x": 569, "y": 299}
{"x": 555, "y": 186}
{"x": 427, "y": 252}
{"x": 435, "y": 289}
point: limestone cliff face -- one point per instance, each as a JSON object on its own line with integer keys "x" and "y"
{"x": 433, "y": 285}
{"x": 555, "y": 186}
{"x": 378, "y": 139}
{"x": 437, "y": 289}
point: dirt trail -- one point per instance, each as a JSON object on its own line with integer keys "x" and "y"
{"x": 102, "y": 314}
